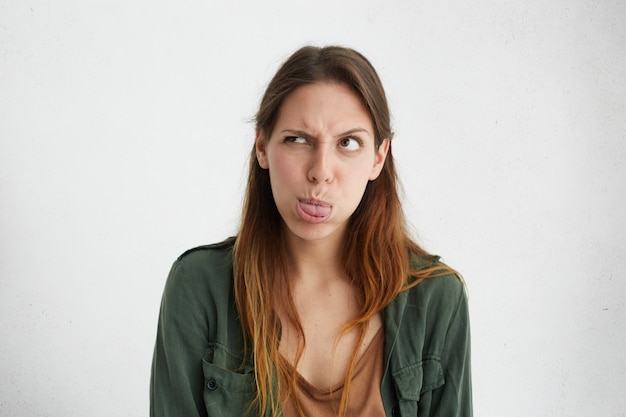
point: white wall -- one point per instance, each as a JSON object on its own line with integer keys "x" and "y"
{"x": 123, "y": 141}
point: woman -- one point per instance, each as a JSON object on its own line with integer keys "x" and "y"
{"x": 322, "y": 305}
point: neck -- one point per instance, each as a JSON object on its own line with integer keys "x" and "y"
{"x": 316, "y": 261}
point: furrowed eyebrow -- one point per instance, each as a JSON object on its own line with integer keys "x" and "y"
{"x": 355, "y": 130}
{"x": 308, "y": 135}
{"x": 296, "y": 133}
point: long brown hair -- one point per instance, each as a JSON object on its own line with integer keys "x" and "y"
{"x": 377, "y": 246}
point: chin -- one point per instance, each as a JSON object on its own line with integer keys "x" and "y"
{"x": 317, "y": 232}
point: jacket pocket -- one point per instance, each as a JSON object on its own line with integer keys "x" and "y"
{"x": 414, "y": 380}
{"x": 227, "y": 392}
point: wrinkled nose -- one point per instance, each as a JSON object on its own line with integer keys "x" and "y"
{"x": 320, "y": 168}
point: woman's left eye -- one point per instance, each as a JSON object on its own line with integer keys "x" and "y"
{"x": 349, "y": 144}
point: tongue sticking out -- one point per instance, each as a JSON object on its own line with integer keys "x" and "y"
{"x": 315, "y": 210}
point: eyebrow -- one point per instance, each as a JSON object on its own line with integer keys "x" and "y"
{"x": 308, "y": 135}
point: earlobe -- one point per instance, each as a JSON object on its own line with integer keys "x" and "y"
{"x": 261, "y": 153}
{"x": 379, "y": 159}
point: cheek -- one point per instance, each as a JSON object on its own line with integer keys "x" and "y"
{"x": 282, "y": 174}
{"x": 359, "y": 174}
{"x": 281, "y": 166}
{"x": 355, "y": 183}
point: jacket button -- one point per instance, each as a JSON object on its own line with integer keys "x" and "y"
{"x": 211, "y": 384}
{"x": 395, "y": 411}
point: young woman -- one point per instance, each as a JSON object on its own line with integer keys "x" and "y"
{"x": 321, "y": 305}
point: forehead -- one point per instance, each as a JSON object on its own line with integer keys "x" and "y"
{"x": 324, "y": 106}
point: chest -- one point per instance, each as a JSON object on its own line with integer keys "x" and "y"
{"x": 326, "y": 348}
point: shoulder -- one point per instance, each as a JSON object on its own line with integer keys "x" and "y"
{"x": 441, "y": 280}
{"x": 203, "y": 269}
{"x": 220, "y": 249}
{"x": 441, "y": 294}
{"x": 441, "y": 287}
{"x": 431, "y": 310}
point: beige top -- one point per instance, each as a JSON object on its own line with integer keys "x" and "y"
{"x": 364, "y": 398}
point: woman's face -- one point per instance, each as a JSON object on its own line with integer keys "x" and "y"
{"x": 320, "y": 156}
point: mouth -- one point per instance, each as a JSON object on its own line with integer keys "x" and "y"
{"x": 313, "y": 211}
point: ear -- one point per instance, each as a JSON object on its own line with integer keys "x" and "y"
{"x": 379, "y": 159}
{"x": 261, "y": 152}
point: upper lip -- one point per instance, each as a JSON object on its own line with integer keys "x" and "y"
{"x": 315, "y": 202}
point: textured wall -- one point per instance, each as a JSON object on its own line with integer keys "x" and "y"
{"x": 124, "y": 132}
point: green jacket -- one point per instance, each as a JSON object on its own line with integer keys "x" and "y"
{"x": 197, "y": 364}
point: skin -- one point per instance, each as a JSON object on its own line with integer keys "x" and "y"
{"x": 323, "y": 150}
{"x": 320, "y": 156}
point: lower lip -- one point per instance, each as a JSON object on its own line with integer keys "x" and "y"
{"x": 309, "y": 218}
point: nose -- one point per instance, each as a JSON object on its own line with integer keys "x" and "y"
{"x": 320, "y": 166}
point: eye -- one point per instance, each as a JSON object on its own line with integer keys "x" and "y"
{"x": 295, "y": 139}
{"x": 349, "y": 144}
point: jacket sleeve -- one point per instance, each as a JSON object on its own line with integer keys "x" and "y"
{"x": 454, "y": 397}
{"x": 177, "y": 381}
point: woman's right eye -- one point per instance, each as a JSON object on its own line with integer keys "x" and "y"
{"x": 295, "y": 139}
